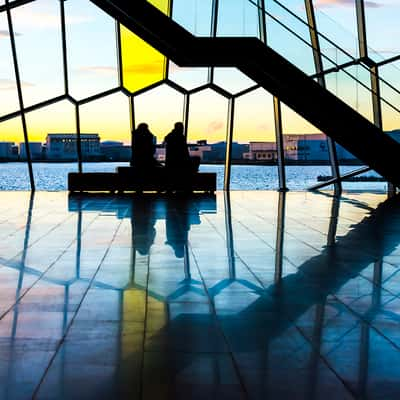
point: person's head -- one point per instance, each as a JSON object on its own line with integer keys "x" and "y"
{"x": 178, "y": 127}
{"x": 142, "y": 127}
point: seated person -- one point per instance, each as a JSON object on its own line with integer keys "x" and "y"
{"x": 144, "y": 147}
{"x": 176, "y": 151}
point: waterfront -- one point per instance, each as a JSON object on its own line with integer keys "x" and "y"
{"x": 53, "y": 176}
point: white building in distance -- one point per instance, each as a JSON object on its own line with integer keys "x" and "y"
{"x": 63, "y": 146}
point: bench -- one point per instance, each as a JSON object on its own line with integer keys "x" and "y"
{"x": 127, "y": 179}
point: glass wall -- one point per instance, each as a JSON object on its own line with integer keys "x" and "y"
{"x": 72, "y": 69}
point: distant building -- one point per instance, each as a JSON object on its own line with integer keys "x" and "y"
{"x": 64, "y": 146}
{"x": 305, "y": 147}
{"x": 261, "y": 151}
{"x": 218, "y": 151}
{"x": 199, "y": 148}
{"x": 297, "y": 147}
{"x": 36, "y": 150}
{"x": 115, "y": 151}
{"x": 160, "y": 153}
{"x": 312, "y": 150}
{"x": 7, "y": 151}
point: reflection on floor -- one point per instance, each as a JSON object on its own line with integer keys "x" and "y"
{"x": 257, "y": 295}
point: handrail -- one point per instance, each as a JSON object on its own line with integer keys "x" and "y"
{"x": 338, "y": 66}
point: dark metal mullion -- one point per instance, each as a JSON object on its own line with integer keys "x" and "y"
{"x": 361, "y": 29}
{"x": 335, "y": 69}
{"x": 230, "y": 243}
{"x": 213, "y": 33}
{"x": 229, "y": 138}
{"x": 186, "y": 110}
{"x": 344, "y": 176}
{"x": 312, "y": 25}
{"x": 98, "y": 96}
{"x": 280, "y": 235}
{"x": 78, "y": 138}
{"x": 167, "y": 60}
{"x": 175, "y": 86}
{"x": 119, "y": 52}
{"x": 20, "y": 97}
{"x": 64, "y": 47}
{"x": 279, "y": 145}
{"x": 14, "y": 4}
{"x": 388, "y": 60}
{"x": 133, "y": 124}
{"x": 262, "y": 23}
{"x": 34, "y": 107}
{"x": 376, "y": 97}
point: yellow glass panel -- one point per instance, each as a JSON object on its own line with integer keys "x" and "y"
{"x": 142, "y": 65}
{"x": 162, "y": 5}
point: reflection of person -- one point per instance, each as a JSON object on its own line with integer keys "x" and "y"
{"x": 176, "y": 151}
{"x": 180, "y": 215}
{"x": 143, "y": 147}
{"x": 143, "y": 221}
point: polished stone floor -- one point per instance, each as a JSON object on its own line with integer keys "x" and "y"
{"x": 259, "y": 295}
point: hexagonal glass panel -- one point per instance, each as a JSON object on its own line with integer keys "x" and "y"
{"x": 254, "y": 139}
{"x": 160, "y": 108}
{"x": 254, "y": 117}
{"x": 8, "y": 88}
{"x": 39, "y": 50}
{"x": 208, "y": 121}
{"x": 109, "y": 117}
{"x": 91, "y": 49}
{"x": 142, "y": 65}
{"x": 188, "y": 78}
{"x": 52, "y": 136}
{"x": 232, "y": 80}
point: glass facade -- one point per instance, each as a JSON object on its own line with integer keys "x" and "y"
{"x": 68, "y": 67}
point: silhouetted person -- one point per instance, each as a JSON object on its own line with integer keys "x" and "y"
{"x": 143, "y": 148}
{"x": 176, "y": 151}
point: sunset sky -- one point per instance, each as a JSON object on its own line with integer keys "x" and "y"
{"x": 92, "y": 68}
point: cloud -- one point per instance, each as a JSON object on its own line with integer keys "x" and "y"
{"x": 145, "y": 69}
{"x": 9, "y": 84}
{"x": 214, "y": 126}
{"x": 5, "y": 34}
{"x": 100, "y": 70}
{"x": 348, "y": 3}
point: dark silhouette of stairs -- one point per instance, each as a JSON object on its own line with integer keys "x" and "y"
{"x": 271, "y": 71}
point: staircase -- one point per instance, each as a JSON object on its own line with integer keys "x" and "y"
{"x": 271, "y": 71}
